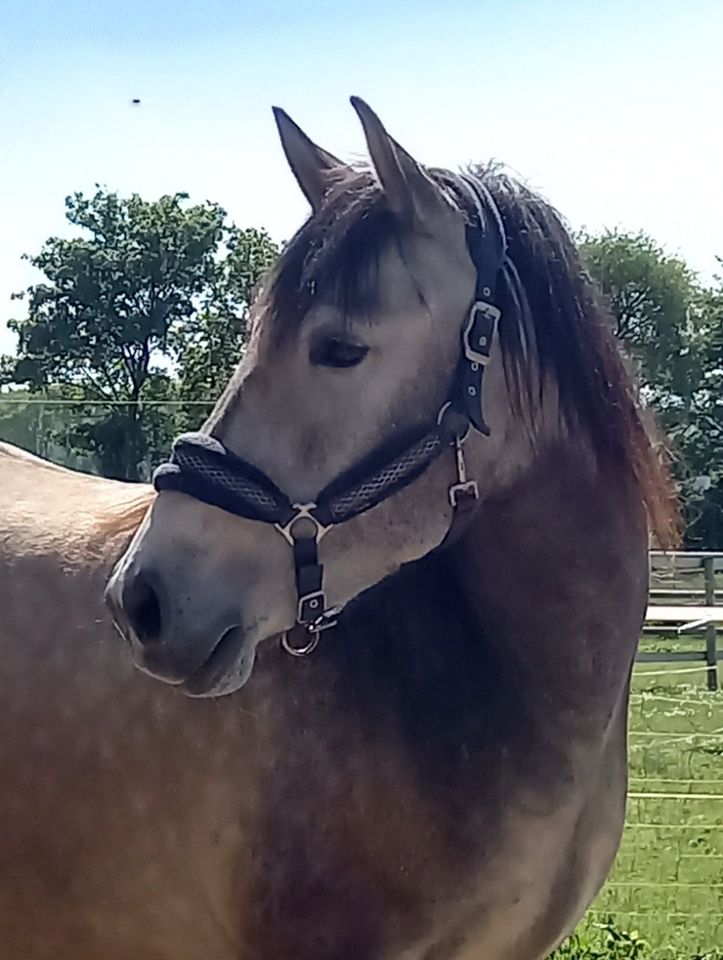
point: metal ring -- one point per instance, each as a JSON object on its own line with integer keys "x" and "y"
{"x": 302, "y": 651}
{"x": 303, "y": 512}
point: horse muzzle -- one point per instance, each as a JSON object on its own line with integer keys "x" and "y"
{"x": 203, "y": 659}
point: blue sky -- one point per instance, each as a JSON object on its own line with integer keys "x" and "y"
{"x": 612, "y": 109}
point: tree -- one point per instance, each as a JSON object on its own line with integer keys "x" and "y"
{"x": 671, "y": 327}
{"x": 102, "y": 323}
{"x": 210, "y": 347}
{"x": 701, "y": 437}
{"x": 652, "y": 296}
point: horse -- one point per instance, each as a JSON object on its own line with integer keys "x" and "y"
{"x": 379, "y": 615}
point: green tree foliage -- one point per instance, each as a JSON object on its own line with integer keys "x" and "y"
{"x": 652, "y": 296}
{"x": 700, "y": 437}
{"x": 149, "y": 304}
{"x": 125, "y": 302}
{"x": 210, "y": 347}
{"x": 672, "y": 328}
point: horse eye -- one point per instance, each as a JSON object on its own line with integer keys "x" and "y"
{"x": 334, "y": 352}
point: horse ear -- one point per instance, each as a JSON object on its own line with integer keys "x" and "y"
{"x": 312, "y": 166}
{"x": 410, "y": 191}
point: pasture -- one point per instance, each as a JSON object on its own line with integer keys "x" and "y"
{"x": 667, "y": 885}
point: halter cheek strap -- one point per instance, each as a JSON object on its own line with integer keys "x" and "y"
{"x": 201, "y": 467}
{"x": 487, "y": 248}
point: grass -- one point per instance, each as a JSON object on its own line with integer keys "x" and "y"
{"x": 607, "y": 941}
{"x": 664, "y": 898}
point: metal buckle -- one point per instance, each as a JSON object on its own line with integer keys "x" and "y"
{"x": 325, "y": 621}
{"x": 463, "y": 486}
{"x": 312, "y": 628}
{"x": 310, "y": 607}
{"x": 303, "y": 512}
{"x": 469, "y": 489}
{"x": 479, "y": 352}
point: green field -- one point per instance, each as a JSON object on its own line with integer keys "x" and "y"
{"x": 666, "y": 888}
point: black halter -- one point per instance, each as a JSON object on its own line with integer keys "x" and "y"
{"x": 201, "y": 467}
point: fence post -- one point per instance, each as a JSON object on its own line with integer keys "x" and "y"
{"x": 711, "y": 633}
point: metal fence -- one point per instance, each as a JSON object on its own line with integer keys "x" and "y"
{"x": 667, "y": 881}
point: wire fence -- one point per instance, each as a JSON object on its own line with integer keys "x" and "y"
{"x": 667, "y": 881}
{"x": 122, "y": 438}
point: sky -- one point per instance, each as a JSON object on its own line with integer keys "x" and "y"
{"x": 608, "y": 108}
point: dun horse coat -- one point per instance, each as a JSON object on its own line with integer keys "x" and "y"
{"x": 444, "y": 778}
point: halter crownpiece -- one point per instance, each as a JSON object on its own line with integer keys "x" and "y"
{"x": 202, "y": 467}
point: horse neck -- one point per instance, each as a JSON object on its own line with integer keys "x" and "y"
{"x": 509, "y": 653}
{"x": 545, "y": 592}
{"x": 556, "y": 564}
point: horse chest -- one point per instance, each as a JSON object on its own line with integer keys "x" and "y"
{"x": 370, "y": 867}
{"x": 382, "y": 835}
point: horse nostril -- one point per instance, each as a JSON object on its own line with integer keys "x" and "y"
{"x": 142, "y": 609}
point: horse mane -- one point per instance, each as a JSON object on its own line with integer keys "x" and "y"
{"x": 554, "y": 325}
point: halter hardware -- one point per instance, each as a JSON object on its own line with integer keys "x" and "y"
{"x": 303, "y": 511}
{"x": 312, "y": 614}
{"x": 202, "y": 467}
{"x": 479, "y": 332}
{"x": 463, "y": 487}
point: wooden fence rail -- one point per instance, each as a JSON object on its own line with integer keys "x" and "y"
{"x": 678, "y": 616}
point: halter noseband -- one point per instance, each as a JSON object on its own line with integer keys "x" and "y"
{"x": 201, "y": 467}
